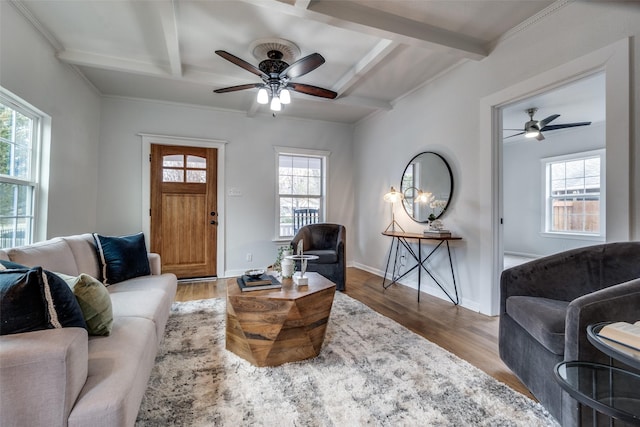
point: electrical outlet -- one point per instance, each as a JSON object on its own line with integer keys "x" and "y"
{"x": 249, "y": 257}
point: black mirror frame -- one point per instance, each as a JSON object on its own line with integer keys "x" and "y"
{"x": 450, "y": 191}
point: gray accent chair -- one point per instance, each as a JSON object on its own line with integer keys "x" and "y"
{"x": 546, "y": 306}
{"x": 327, "y": 241}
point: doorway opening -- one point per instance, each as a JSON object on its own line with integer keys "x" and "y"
{"x": 547, "y": 206}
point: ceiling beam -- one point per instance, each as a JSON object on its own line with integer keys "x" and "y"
{"x": 167, "y": 11}
{"x": 367, "y": 20}
{"x": 362, "y": 67}
{"x": 110, "y": 63}
{"x": 303, "y": 4}
{"x": 371, "y": 21}
{"x": 358, "y": 101}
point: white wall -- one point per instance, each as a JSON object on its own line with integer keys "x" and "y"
{"x": 523, "y": 188}
{"x": 249, "y": 220}
{"x": 443, "y": 116}
{"x": 29, "y": 69}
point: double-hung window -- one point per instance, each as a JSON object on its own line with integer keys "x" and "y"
{"x": 575, "y": 194}
{"x": 301, "y": 189}
{"x": 19, "y": 136}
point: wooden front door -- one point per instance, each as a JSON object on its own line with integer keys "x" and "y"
{"x": 184, "y": 216}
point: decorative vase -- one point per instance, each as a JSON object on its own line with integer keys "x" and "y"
{"x": 288, "y": 265}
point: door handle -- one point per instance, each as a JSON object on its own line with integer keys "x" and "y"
{"x": 213, "y": 222}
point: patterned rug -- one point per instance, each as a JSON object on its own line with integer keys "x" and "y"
{"x": 371, "y": 371}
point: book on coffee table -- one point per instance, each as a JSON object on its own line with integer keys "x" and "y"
{"x": 265, "y": 281}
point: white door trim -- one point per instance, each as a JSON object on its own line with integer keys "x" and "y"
{"x": 147, "y": 140}
{"x": 614, "y": 61}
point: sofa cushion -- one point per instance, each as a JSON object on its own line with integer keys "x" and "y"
{"x": 52, "y": 255}
{"x": 543, "y": 318}
{"x": 94, "y": 301}
{"x": 119, "y": 369}
{"x": 83, "y": 248}
{"x": 34, "y": 299}
{"x": 325, "y": 256}
{"x": 122, "y": 258}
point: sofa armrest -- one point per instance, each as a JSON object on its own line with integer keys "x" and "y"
{"x": 615, "y": 303}
{"x": 41, "y": 375}
{"x": 154, "y": 263}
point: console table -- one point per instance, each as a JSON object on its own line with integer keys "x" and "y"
{"x": 401, "y": 237}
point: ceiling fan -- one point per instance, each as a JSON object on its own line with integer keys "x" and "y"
{"x": 533, "y": 128}
{"x": 276, "y": 74}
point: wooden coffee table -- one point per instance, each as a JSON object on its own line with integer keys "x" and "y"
{"x": 272, "y": 327}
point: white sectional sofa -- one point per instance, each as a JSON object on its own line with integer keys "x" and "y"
{"x": 59, "y": 377}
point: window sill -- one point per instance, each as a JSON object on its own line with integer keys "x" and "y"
{"x": 573, "y": 236}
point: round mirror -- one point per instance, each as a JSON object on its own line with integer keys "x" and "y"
{"x": 427, "y": 186}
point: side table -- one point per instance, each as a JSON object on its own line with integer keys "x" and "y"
{"x": 612, "y": 391}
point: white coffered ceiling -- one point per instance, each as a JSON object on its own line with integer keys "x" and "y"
{"x": 376, "y": 50}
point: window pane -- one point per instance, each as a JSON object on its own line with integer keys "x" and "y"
{"x": 557, "y": 171}
{"x": 172, "y": 175}
{"x": 173, "y": 160}
{"x": 5, "y": 158}
{"x": 575, "y": 184}
{"x": 24, "y": 127}
{"x": 196, "y": 176}
{"x": 575, "y": 169}
{"x": 196, "y": 162}
{"x": 15, "y": 200}
{"x": 285, "y": 185}
{"x": 315, "y": 186}
{"x": 285, "y": 165}
{"x": 300, "y": 185}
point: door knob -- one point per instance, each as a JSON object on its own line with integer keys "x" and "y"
{"x": 213, "y": 223}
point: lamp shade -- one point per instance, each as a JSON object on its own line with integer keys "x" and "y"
{"x": 285, "y": 96}
{"x": 393, "y": 196}
{"x": 275, "y": 104}
{"x": 263, "y": 96}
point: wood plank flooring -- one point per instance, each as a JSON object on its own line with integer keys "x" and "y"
{"x": 467, "y": 334}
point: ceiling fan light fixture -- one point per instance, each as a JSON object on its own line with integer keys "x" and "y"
{"x": 531, "y": 129}
{"x": 531, "y": 133}
{"x": 275, "y": 104}
{"x": 285, "y": 96}
{"x": 263, "y": 96}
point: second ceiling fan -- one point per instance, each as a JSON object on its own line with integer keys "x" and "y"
{"x": 276, "y": 75}
{"x": 534, "y": 128}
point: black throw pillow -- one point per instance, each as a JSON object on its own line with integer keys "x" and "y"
{"x": 122, "y": 258}
{"x": 35, "y": 299}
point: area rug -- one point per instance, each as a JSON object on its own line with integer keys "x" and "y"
{"x": 371, "y": 371}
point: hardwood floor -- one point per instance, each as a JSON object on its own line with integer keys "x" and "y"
{"x": 467, "y": 334}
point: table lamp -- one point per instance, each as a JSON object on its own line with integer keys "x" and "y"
{"x": 392, "y": 197}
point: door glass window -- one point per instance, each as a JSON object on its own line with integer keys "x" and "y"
{"x": 184, "y": 168}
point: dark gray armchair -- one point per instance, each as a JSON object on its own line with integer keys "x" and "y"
{"x": 546, "y": 306}
{"x": 327, "y": 241}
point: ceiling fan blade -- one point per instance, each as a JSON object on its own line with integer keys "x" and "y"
{"x": 542, "y": 123}
{"x": 312, "y": 90}
{"x": 515, "y": 134}
{"x": 302, "y": 66}
{"x": 540, "y": 137}
{"x": 566, "y": 125}
{"x": 241, "y": 63}
{"x": 239, "y": 87}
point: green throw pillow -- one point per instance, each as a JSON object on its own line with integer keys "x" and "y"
{"x": 94, "y": 301}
